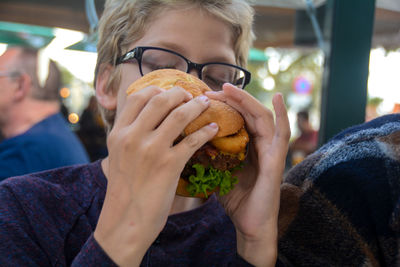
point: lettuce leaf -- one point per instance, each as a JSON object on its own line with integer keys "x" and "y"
{"x": 209, "y": 179}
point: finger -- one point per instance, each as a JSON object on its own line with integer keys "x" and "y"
{"x": 180, "y": 117}
{"x": 134, "y": 104}
{"x": 195, "y": 141}
{"x": 282, "y": 133}
{"x": 243, "y": 100}
{"x": 159, "y": 106}
{"x": 258, "y": 118}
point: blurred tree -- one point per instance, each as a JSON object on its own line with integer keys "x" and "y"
{"x": 280, "y": 71}
{"x": 67, "y": 76}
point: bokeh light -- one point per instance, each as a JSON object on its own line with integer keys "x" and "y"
{"x": 65, "y": 92}
{"x": 73, "y": 118}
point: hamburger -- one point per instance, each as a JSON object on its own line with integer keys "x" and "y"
{"x": 210, "y": 168}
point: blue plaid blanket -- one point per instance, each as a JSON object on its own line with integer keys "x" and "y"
{"x": 341, "y": 205}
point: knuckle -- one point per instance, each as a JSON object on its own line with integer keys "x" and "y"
{"x": 192, "y": 141}
{"x": 138, "y": 98}
{"x": 146, "y": 151}
{"x": 166, "y": 160}
{"x": 178, "y": 89}
{"x": 179, "y": 115}
{"x": 147, "y": 147}
{"x": 283, "y": 135}
{"x": 121, "y": 140}
{"x": 112, "y": 137}
{"x": 127, "y": 144}
{"x": 159, "y": 99}
{"x": 155, "y": 89}
{"x": 287, "y": 134}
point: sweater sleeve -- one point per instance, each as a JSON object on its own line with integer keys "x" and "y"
{"x": 22, "y": 239}
{"x": 238, "y": 261}
{"x": 19, "y": 245}
{"x": 92, "y": 254}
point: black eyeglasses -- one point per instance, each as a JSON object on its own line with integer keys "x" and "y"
{"x": 214, "y": 74}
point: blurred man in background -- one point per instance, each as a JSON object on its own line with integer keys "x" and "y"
{"x": 307, "y": 141}
{"x": 35, "y": 135}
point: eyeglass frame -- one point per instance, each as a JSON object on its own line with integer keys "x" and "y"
{"x": 137, "y": 52}
{"x": 11, "y": 74}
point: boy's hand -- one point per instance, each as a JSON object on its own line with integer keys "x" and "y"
{"x": 143, "y": 168}
{"x": 253, "y": 204}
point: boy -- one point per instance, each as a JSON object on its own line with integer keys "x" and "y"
{"x": 117, "y": 211}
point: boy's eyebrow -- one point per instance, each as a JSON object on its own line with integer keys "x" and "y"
{"x": 181, "y": 50}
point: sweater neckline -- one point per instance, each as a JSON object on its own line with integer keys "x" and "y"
{"x": 209, "y": 211}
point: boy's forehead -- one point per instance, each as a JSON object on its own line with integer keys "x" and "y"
{"x": 189, "y": 32}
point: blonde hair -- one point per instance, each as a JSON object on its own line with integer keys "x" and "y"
{"x": 124, "y": 21}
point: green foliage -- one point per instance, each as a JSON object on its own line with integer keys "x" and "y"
{"x": 292, "y": 64}
{"x": 66, "y": 76}
{"x": 374, "y": 101}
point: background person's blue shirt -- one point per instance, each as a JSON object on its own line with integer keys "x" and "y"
{"x": 48, "y": 144}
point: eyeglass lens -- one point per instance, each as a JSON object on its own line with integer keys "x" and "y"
{"x": 214, "y": 75}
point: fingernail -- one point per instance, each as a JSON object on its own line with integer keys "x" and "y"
{"x": 211, "y": 93}
{"x": 213, "y": 125}
{"x": 203, "y": 98}
{"x": 190, "y": 96}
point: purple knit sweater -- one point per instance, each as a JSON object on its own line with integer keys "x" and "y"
{"x": 48, "y": 219}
